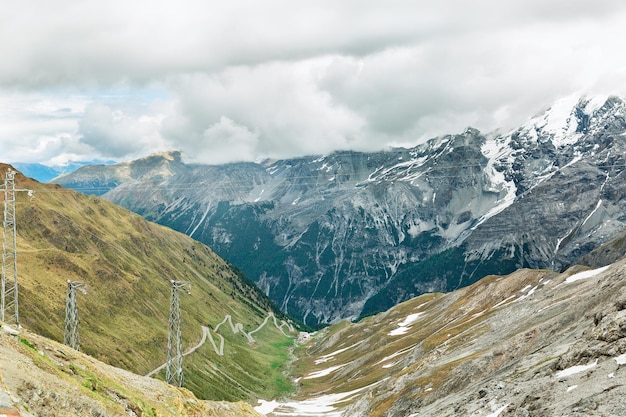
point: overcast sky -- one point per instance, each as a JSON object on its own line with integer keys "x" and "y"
{"x": 226, "y": 80}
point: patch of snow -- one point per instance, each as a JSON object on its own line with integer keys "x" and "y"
{"x": 490, "y": 148}
{"x": 399, "y": 331}
{"x": 410, "y": 319}
{"x": 405, "y": 325}
{"x": 621, "y": 359}
{"x": 372, "y": 177}
{"x": 585, "y": 274}
{"x": 330, "y": 356}
{"x": 323, "y": 406}
{"x": 326, "y": 167}
{"x": 256, "y": 200}
{"x": 393, "y": 355}
{"x": 527, "y": 295}
{"x": 504, "y": 301}
{"x": 313, "y": 407}
{"x": 480, "y": 313}
{"x": 592, "y": 212}
{"x": 266, "y": 407}
{"x": 572, "y": 162}
{"x": 390, "y": 365}
{"x": 508, "y": 199}
{"x": 397, "y": 167}
{"x": 611, "y": 375}
{"x": 576, "y": 369}
{"x": 572, "y": 388}
{"x": 558, "y": 243}
{"x": 495, "y": 150}
{"x": 595, "y": 103}
{"x": 559, "y": 121}
{"x": 323, "y": 372}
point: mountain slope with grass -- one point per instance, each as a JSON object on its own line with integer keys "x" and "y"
{"x": 533, "y": 343}
{"x": 127, "y": 264}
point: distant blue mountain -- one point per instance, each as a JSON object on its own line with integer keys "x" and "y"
{"x": 45, "y": 173}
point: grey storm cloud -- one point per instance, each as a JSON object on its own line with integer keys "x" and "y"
{"x": 229, "y": 80}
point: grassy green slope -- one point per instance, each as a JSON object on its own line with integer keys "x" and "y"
{"x": 127, "y": 264}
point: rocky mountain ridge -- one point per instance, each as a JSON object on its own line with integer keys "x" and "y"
{"x": 349, "y": 234}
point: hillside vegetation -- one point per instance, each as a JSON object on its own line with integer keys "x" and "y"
{"x": 127, "y": 264}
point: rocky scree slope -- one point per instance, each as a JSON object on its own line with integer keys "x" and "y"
{"x": 533, "y": 343}
{"x": 349, "y": 234}
{"x": 127, "y": 264}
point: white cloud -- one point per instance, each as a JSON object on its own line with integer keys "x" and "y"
{"x": 279, "y": 104}
{"x": 226, "y": 141}
{"x": 34, "y": 127}
{"x": 282, "y": 78}
{"x": 112, "y": 133}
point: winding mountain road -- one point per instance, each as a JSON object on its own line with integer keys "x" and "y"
{"x": 235, "y": 328}
{"x": 205, "y": 332}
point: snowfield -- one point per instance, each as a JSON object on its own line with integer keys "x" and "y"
{"x": 585, "y": 274}
{"x": 405, "y": 325}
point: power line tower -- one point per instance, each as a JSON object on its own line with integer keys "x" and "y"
{"x": 70, "y": 336}
{"x": 9, "y": 311}
{"x": 174, "y": 367}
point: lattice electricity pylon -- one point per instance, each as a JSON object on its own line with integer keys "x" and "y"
{"x": 70, "y": 336}
{"x": 9, "y": 311}
{"x": 174, "y": 367}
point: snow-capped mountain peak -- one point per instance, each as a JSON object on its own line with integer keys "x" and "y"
{"x": 564, "y": 122}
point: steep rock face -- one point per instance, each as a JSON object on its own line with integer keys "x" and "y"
{"x": 563, "y": 176}
{"x": 568, "y": 177}
{"x": 350, "y": 233}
